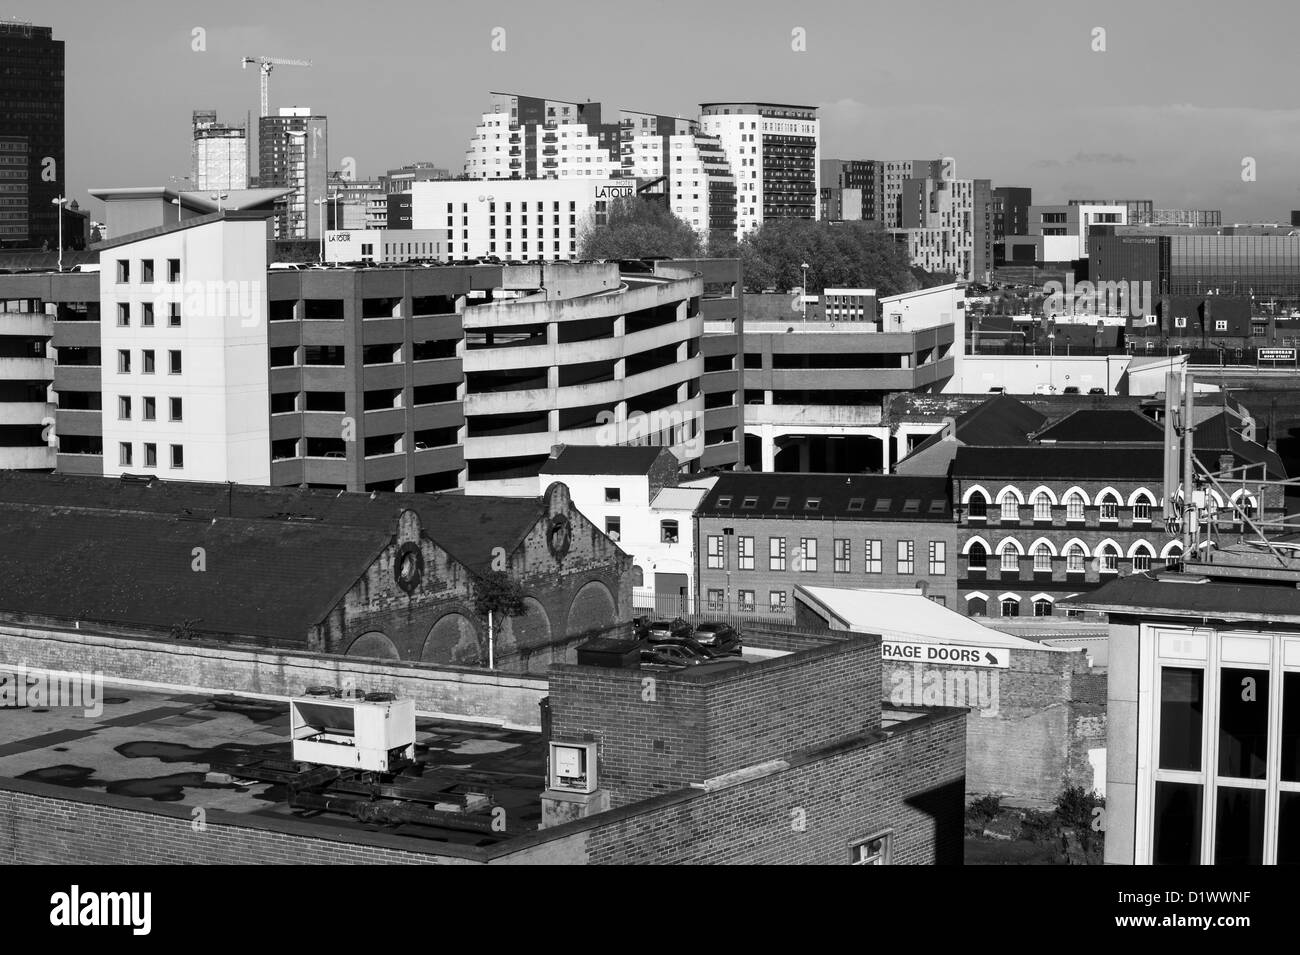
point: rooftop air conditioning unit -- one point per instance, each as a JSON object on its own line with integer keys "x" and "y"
{"x": 377, "y": 736}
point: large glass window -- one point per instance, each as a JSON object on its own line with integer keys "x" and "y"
{"x": 1243, "y": 723}
{"x": 1182, "y": 703}
{"x": 1177, "y": 824}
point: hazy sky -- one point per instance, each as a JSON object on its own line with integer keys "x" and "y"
{"x": 1183, "y": 92}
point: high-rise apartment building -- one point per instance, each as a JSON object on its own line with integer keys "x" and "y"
{"x": 852, "y": 189}
{"x": 893, "y": 173}
{"x": 31, "y": 112}
{"x": 774, "y": 150}
{"x": 946, "y": 225}
{"x": 15, "y": 200}
{"x": 293, "y": 150}
{"x": 219, "y": 154}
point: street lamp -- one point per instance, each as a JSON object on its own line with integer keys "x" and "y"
{"x": 177, "y": 204}
{"x": 59, "y": 201}
{"x": 320, "y": 206}
{"x": 218, "y": 198}
{"x": 805, "y": 291}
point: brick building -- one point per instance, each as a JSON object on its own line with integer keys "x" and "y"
{"x": 760, "y": 535}
{"x": 388, "y": 576}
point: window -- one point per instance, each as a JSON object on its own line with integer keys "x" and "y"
{"x": 843, "y": 555}
{"x": 1042, "y": 559}
{"x": 123, "y": 408}
{"x": 123, "y": 314}
{"x": 124, "y": 454}
{"x": 147, "y": 359}
{"x": 614, "y": 528}
{"x": 150, "y": 409}
{"x": 1042, "y": 507}
{"x": 146, "y": 315}
{"x": 871, "y": 557}
{"x": 1180, "y": 321}
{"x": 1043, "y": 607}
{"x": 612, "y": 495}
{"x": 717, "y": 555}
{"x": 938, "y": 558}
{"x": 978, "y": 507}
{"x": 1109, "y": 559}
{"x": 1142, "y": 510}
{"x": 1074, "y": 557}
{"x": 123, "y": 362}
{"x": 781, "y": 504}
{"x": 776, "y": 601}
{"x": 1074, "y": 507}
{"x": 1010, "y": 560}
{"x": 745, "y": 598}
{"x": 906, "y": 557}
{"x": 146, "y": 270}
{"x": 749, "y": 503}
{"x": 173, "y": 314}
{"x": 808, "y": 554}
{"x": 874, "y": 851}
{"x": 745, "y": 553}
{"x": 1109, "y": 508}
{"x": 150, "y": 455}
{"x": 977, "y": 558}
{"x": 668, "y": 532}
{"x": 175, "y": 409}
{"x": 1010, "y": 508}
{"x": 174, "y": 362}
{"x": 813, "y": 504}
{"x": 776, "y": 553}
{"x": 1142, "y": 559}
{"x": 1220, "y": 324}
{"x": 173, "y": 270}
{"x": 716, "y": 601}
{"x": 123, "y": 271}
{"x": 1010, "y": 607}
{"x": 178, "y": 456}
{"x": 977, "y": 607}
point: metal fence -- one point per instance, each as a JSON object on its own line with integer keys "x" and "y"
{"x": 740, "y": 616}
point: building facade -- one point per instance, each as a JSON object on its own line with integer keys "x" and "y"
{"x": 761, "y": 535}
{"x": 219, "y": 154}
{"x": 293, "y": 152}
{"x": 31, "y": 64}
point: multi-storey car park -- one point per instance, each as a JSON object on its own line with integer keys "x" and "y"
{"x": 185, "y": 356}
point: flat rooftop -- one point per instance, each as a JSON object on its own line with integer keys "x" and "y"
{"x": 156, "y": 746}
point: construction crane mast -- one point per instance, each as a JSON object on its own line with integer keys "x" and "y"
{"x": 266, "y": 65}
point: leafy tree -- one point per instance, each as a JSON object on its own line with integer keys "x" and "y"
{"x": 496, "y": 592}
{"x": 638, "y": 228}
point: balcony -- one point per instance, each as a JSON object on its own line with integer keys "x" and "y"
{"x": 80, "y": 421}
{"x": 30, "y": 459}
{"x": 25, "y": 412}
{"x": 80, "y": 463}
{"x": 26, "y": 369}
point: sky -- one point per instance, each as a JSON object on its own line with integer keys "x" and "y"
{"x": 1174, "y": 101}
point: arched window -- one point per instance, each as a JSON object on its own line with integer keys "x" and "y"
{"x": 1173, "y": 555}
{"x": 638, "y": 576}
{"x": 1042, "y": 558}
{"x": 1074, "y": 558}
{"x": 1042, "y": 606}
{"x": 1142, "y": 554}
{"x": 1010, "y": 508}
{"x": 1042, "y": 507}
{"x": 1010, "y": 554}
{"x": 977, "y": 558}
{"x": 1108, "y": 555}
{"x": 1243, "y": 508}
{"x": 1143, "y": 502}
{"x": 1010, "y": 606}
{"x": 977, "y": 607}
{"x": 1108, "y": 506}
{"x": 977, "y": 508}
{"x": 1074, "y": 507}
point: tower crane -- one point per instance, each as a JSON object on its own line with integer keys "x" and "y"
{"x": 266, "y": 64}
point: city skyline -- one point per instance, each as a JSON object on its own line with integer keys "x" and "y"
{"x": 1050, "y": 112}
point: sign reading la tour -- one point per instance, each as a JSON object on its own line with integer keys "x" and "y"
{"x": 613, "y": 192}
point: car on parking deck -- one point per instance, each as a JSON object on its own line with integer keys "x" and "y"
{"x": 721, "y": 637}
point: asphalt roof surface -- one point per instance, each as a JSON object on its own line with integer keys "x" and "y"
{"x": 595, "y": 459}
{"x": 862, "y": 497}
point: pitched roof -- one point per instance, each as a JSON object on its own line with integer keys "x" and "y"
{"x": 1178, "y": 594}
{"x": 858, "y": 497}
{"x": 998, "y": 422}
{"x": 1109, "y": 426}
{"x": 260, "y": 578}
{"x": 1221, "y": 432}
{"x": 467, "y": 527}
{"x": 1057, "y": 462}
{"x": 597, "y": 459}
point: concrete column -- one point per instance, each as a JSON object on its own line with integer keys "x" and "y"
{"x": 768, "y": 445}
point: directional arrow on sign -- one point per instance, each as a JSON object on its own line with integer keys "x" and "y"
{"x": 993, "y": 661}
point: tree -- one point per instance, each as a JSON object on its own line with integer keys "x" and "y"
{"x": 496, "y": 596}
{"x": 637, "y": 228}
{"x": 843, "y": 255}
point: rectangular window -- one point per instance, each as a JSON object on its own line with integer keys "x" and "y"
{"x": 614, "y": 528}
{"x": 668, "y": 532}
{"x": 123, "y": 314}
{"x": 123, "y": 362}
{"x": 808, "y": 554}
{"x": 123, "y": 271}
{"x": 173, "y": 314}
{"x": 612, "y": 495}
{"x": 776, "y": 553}
{"x": 124, "y": 454}
{"x": 151, "y": 455}
{"x": 146, "y": 270}
{"x": 776, "y": 601}
{"x": 877, "y": 850}
{"x": 176, "y": 409}
{"x": 871, "y": 557}
{"x": 123, "y": 408}
{"x": 150, "y": 409}
{"x": 745, "y": 553}
{"x": 716, "y": 601}
{"x": 717, "y": 556}
{"x": 938, "y": 558}
{"x": 906, "y": 557}
{"x": 173, "y": 270}
{"x": 146, "y": 315}
{"x": 146, "y": 357}
{"x": 178, "y": 456}
{"x": 174, "y": 362}
{"x": 843, "y": 555}
{"x": 745, "y": 598}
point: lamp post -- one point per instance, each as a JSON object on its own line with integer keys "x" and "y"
{"x": 218, "y": 198}
{"x": 59, "y": 201}
{"x": 177, "y": 204}
{"x": 805, "y": 291}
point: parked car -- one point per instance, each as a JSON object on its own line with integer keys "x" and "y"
{"x": 658, "y": 630}
{"x": 1069, "y": 390}
{"x": 722, "y": 637}
{"x": 677, "y": 656}
{"x": 997, "y": 390}
{"x": 1096, "y": 391}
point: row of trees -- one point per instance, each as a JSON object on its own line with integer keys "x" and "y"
{"x": 839, "y": 255}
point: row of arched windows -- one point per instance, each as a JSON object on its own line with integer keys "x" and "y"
{"x": 1107, "y": 554}
{"x": 1142, "y": 503}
